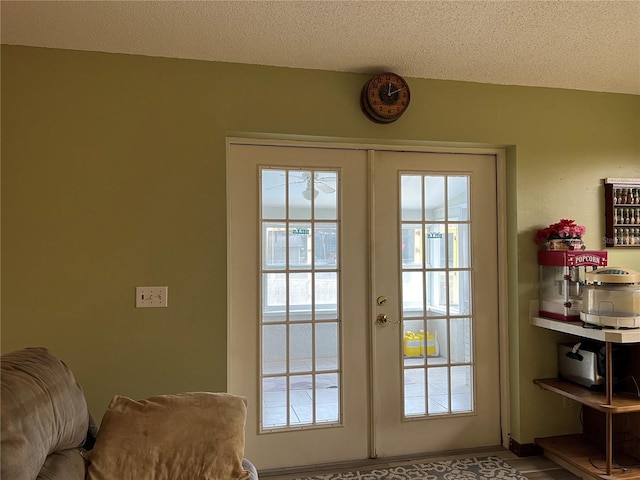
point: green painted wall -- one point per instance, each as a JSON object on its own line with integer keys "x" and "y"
{"x": 113, "y": 176}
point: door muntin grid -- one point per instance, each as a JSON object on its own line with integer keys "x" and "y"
{"x": 436, "y": 306}
{"x": 300, "y": 365}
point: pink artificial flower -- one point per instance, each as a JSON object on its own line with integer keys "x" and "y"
{"x": 563, "y": 229}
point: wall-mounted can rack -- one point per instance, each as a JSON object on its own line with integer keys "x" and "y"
{"x": 622, "y": 212}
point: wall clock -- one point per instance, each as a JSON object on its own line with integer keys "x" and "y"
{"x": 385, "y": 97}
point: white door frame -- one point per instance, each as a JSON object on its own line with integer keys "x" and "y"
{"x": 501, "y": 212}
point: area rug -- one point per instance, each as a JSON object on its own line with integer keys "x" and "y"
{"x": 474, "y": 468}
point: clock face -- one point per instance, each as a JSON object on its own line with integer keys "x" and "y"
{"x": 385, "y": 97}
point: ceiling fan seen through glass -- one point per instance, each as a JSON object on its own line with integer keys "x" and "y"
{"x": 314, "y": 183}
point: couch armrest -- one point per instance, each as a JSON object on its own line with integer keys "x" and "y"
{"x": 250, "y": 467}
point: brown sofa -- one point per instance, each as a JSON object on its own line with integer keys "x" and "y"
{"x": 47, "y": 432}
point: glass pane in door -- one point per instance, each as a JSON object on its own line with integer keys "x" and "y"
{"x": 300, "y": 324}
{"x": 436, "y": 311}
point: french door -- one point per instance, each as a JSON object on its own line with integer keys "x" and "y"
{"x": 363, "y": 312}
{"x": 436, "y": 358}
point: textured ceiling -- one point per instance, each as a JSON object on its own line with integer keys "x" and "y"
{"x": 583, "y": 45}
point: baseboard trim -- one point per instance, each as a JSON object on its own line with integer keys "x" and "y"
{"x": 524, "y": 449}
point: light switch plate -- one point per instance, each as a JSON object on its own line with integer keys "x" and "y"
{"x": 151, "y": 297}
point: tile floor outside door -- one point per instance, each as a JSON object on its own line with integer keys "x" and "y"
{"x": 327, "y": 392}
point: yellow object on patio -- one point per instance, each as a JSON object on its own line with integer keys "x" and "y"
{"x": 414, "y": 344}
{"x": 432, "y": 345}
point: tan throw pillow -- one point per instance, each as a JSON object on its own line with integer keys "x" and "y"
{"x": 189, "y": 436}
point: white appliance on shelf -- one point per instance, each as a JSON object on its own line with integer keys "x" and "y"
{"x": 611, "y": 298}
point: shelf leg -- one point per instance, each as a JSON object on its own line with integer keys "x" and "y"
{"x": 609, "y": 415}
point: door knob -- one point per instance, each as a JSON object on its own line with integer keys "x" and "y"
{"x": 382, "y": 319}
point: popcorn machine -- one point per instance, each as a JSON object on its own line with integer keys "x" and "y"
{"x": 562, "y": 277}
{"x": 612, "y": 298}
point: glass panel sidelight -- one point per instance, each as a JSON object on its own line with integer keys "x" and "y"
{"x": 436, "y": 312}
{"x": 300, "y": 365}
